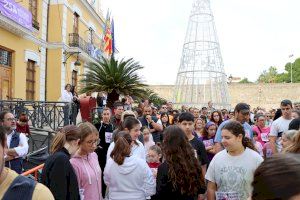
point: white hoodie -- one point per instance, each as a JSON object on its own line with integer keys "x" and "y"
{"x": 132, "y": 180}
{"x": 136, "y": 150}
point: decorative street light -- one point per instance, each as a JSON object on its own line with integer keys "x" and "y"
{"x": 69, "y": 54}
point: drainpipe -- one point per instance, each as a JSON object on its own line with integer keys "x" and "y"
{"x": 46, "y": 61}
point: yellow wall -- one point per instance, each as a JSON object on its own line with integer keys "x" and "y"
{"x": 54, "y": 74}
{"x": 18, "y": 45}
{"x": 55, "y": 26}
{"x": 83, "y": 29}
{"x": 54, "y": 77}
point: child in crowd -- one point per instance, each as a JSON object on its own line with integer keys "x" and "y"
{"x": 257, "y": 144}
{"x": 209, "y": 132}
{"x": 22, "y": 124}
{"x": 147, "y": 138}
{"x": 154, "y": 156}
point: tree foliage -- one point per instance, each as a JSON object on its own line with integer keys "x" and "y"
{"x": 245, "y": 80}
{"x": 272, "y": 76}
{"x": 115, "y": 77}
{"x": 154, "y": 98}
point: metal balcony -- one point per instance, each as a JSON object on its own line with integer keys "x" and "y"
{"x": 76, "y": 41}
{"x": 48, "y": 115}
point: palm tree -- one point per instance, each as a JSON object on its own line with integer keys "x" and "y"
{"x": 115, "y": 77}
{"x": 154, "y": 98}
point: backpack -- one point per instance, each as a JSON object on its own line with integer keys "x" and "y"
{"x": 21, "y": 188}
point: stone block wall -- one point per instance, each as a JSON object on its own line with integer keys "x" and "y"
{"x": 264, "y": 95}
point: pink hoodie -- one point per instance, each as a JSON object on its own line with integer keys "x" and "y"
{"x": 88, "y": 174}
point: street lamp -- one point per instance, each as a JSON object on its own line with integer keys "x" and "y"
{"x": 67, "y": 55}
{"x": 290, "y": 56}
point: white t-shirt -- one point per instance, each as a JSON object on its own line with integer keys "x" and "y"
{"x": 278, "y": 127}
{"x": 67, "y": 96}
{"x": 234, "y": 173}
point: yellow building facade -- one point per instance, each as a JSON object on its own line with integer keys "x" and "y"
{"x": 37, "y": 62}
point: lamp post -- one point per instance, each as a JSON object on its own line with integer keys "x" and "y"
{"x": 67, "y": 55}
{"x": 291, "y": 63}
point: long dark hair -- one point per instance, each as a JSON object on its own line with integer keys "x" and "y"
{"x": 220, "y": 117}
{"x": 236, "y": 128}
{"x": 277, "y": 178}
{"x": 165, "y": 114}
{"x": 122, "y": 147}
{"x": 184, "y": 168}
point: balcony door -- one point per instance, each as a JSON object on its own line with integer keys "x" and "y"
{"x": 5, "y": 74}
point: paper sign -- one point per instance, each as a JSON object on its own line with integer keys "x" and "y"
{"x": 227, "y": 196}
{"x": 208, "y": 143}
{"x": 264, "y": 137}
{"x": 108, "y": 137}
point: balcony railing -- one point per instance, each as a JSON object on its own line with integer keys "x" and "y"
{"x": 41, "y": 114}
{"x": 76, "y": 41}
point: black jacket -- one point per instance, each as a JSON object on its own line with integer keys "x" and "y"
{"x": 164, "y": 188}
{"x": 59, "y": 176}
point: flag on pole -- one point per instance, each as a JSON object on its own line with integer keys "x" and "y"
{"x": 107, "y": 36}
{"x": 113, "y": 36}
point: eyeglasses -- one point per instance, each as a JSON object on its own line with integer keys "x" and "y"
{"x": 91, "y": 142}
{"x": 11, "y": 119}
{"x": 164, "y": 107}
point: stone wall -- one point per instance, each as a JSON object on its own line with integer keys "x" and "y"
{"x": 264, "y": 95}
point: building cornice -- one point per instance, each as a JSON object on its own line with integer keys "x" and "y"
{"x": 84, "y": 3}
{"x": 13, "y": 27}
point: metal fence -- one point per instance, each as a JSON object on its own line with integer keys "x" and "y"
{"x": 48, "y": 115}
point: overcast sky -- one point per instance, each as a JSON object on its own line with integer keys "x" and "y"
{"x": 253, "y": 34}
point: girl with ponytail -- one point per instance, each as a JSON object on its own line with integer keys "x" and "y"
{"x": 58, "y": 174}
{"x": 231, "y": 170}
{"x": 127, "y": 176}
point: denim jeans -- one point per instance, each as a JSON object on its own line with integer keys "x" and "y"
{"x": 67, "y": 113}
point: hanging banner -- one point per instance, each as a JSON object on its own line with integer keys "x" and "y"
{"x": 16, "y": 12}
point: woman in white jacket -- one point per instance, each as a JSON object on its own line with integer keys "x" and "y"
{"x": 127, "y": 176}
{"x": 133, "y": 126}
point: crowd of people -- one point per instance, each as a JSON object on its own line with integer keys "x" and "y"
{"x": 162, "y": 153}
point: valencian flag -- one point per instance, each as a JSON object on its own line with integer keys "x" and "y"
{"x": 108, "y": 37}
